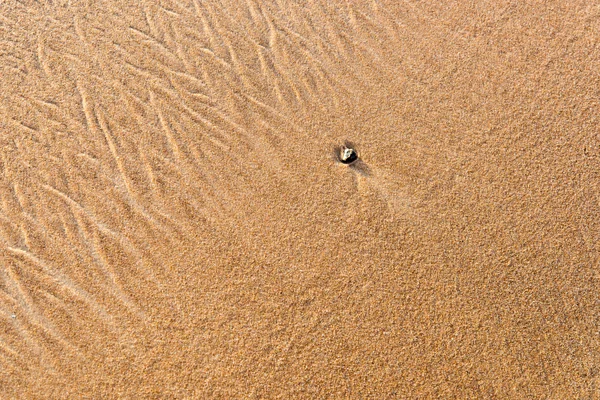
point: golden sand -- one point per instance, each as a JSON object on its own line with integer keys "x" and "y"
{"x": 174, "y": 222}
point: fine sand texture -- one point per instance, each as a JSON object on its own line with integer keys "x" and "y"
{"x": 174, "y": 222}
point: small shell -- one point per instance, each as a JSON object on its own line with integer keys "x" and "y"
{"x": 347, "y": 155}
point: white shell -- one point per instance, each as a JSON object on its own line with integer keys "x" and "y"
{"x": 346, "y": 153}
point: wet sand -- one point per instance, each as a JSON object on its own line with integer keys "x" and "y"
{"x": 174, "y": 222}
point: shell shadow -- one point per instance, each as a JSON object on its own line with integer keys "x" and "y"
{"x": 361, "y": 167}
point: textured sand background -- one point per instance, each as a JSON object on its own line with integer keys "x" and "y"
{"x": 173, "y": 223}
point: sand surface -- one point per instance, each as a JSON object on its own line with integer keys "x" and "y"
{"x": 174, "y": 224}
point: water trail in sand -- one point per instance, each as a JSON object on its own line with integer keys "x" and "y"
{"x": 392, "y": 188}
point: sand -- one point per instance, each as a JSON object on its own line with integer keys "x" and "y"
{"x": 174, "y": 223}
